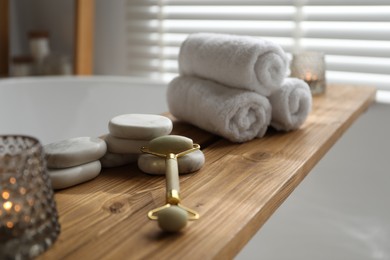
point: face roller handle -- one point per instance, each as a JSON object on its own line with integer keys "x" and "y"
{"x": 172, "y": 179}
{"x": 170, "y": 148}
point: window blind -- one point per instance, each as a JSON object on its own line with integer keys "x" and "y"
{"x": 353, "y": 34}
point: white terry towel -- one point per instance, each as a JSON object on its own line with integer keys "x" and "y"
{"x": 291, "y": 104}
{"x": 235, "y": 114}
{"x": 237, "y": 61}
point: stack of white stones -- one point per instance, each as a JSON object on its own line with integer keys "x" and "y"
{"x": 129, "y": 133}
{"x": 77, "y": 160}
{"x": 74, "y": 160}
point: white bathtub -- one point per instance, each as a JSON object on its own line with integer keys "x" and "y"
{"x": 55, "y": 108}
{"x": 340, "y": 211}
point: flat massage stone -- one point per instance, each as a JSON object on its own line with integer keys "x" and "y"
{"x": 117, "y": 159}
{"x": 74, "y": 151}
{"x": 120, "y": 145}
{"x": 140, "y": 126}
{"x": 155, "y": 165}
{"x": 67, "y": 177}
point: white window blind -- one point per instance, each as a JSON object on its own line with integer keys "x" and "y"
{"x": 354, "y": 34}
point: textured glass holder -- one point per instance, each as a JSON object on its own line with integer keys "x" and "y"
{"x": 310, "y": 67}
{"x": 28, "y": 215}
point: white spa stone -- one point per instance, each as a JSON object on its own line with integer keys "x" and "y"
{"x": 156, "y": 165}
{"x": 139, "y": 126}
{"x": 117, "y": 159}
{"x": 74, "y": 151}
{"x": 121, "y": 145}
{"x": 67, "y": 177}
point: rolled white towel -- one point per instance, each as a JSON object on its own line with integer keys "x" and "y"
{"x": 237, "y": 61}
{"x": 235, "y": 114}
{"x": 291, "y": 104}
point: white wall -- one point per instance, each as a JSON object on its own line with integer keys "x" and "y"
{"x": 110, "y": 38}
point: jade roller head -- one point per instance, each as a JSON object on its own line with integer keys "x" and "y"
{"x": 172, "y": 216}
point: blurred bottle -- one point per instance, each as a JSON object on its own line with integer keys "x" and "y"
{"x": 40, "y": 51}
{"x": 22, "y": 66}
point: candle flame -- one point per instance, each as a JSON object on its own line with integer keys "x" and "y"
{"x": 7, "y": 205}
{"x": 10, "y": 224}
{"x": 310, "y": 77}
{"x": 12, "y": 180}
{"x": 5, "y": 195}
{"x": 17, "y": 207}
{"x": 26, "y": 219}
{"x": 307, "y": 76}
{"x": 22, "y": 190}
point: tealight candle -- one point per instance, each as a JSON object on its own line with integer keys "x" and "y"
{"x": 28, "y": 214}
{"x": 310, "y": 67}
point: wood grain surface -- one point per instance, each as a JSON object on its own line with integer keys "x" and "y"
{"x": 236, "y": 191}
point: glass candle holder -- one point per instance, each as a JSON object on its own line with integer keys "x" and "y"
{"x": 310, "y": 67}
{"x": 28, "y": 215}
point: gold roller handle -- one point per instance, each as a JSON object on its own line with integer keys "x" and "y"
{"x": 172, "y": 179}
{"x": 172, "y": 175}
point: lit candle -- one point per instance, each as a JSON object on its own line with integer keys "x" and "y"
{"x": 310, "y": 78}
{"x": 28, "y": 218}
{"x": 6, "y": 227}
{"x": 310, "y": 67}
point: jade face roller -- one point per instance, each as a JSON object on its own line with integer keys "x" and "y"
{"x": 172, "y": 216}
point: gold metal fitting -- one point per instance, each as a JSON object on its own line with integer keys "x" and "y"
{"x": 173, "y": 197}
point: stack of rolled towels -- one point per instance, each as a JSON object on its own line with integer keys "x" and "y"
{"x": 236, "y": 87}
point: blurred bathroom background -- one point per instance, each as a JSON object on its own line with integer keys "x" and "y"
{"x": 142, "y": 38}
{"x": 340, "y": 211}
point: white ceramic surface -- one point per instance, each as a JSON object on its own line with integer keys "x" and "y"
{"x": 57, "y": 108}
{"x": 340, "y": 211}
{"x": 139, "y": 126}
